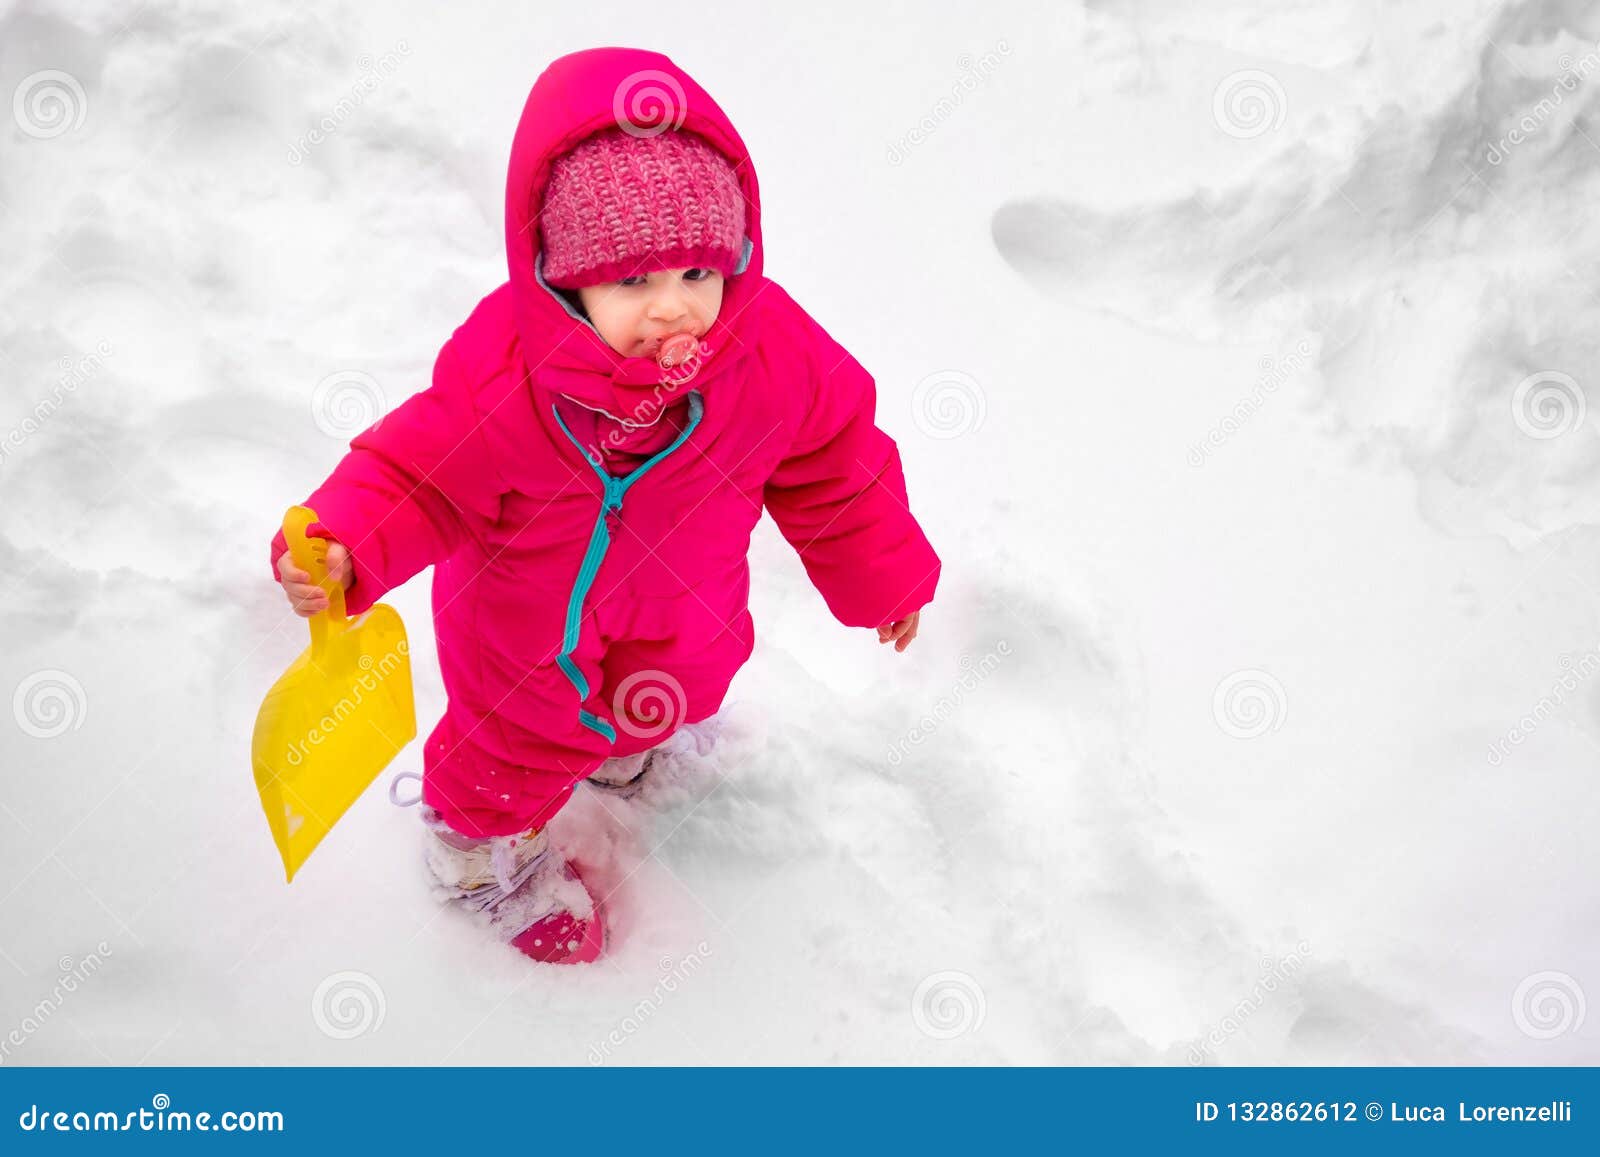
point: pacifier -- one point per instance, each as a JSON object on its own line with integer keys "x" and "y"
{"x": 677, "y": 349}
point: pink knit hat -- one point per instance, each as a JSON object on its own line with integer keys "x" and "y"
{"x": 618, "y": 204}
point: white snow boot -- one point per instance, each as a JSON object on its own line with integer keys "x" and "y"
{"x": 522, "y": 885}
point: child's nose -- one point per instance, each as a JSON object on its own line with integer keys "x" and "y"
{"x": 669, "y": 305}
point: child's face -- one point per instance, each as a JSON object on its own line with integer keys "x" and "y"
{"x": 635, "y": 314}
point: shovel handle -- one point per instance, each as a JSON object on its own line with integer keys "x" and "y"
{"x": 310, "y": 554}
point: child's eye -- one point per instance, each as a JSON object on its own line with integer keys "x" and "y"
{"x": 698, "y": 273}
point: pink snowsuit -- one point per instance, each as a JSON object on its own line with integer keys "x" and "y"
{"x": 581, "y": 615}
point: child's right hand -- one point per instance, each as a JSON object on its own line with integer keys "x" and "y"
{"x": 305, "y": 596}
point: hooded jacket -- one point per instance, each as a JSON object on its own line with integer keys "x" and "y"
{"x": 578, "y": 614}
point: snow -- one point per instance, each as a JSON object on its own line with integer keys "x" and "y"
{"x": 1241, "y": 389}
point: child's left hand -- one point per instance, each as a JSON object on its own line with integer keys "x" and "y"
{"x": 904, "y": 630}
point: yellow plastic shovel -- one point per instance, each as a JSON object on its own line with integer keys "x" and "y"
{"x": 336, "y": 717}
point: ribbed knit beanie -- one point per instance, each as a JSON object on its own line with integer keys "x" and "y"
{"x": 619, "y": 204}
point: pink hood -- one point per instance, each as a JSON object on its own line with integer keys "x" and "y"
{"x": 576, "y": 96}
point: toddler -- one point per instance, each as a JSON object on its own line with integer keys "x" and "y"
{"x": 584, "y": 473}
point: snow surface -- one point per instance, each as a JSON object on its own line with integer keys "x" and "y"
{"x": 1241, "y": 389}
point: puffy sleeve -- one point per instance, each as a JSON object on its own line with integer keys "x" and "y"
{"x": 412, "y": 488}
{"x": 839, "y": 494}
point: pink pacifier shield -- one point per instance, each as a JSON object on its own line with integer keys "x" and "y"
{"x": 676, "y": 350}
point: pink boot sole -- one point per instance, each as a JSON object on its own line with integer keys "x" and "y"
{"x": 562, "y": 938}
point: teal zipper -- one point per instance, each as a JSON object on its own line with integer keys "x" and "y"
{"x": 599, "y": 543}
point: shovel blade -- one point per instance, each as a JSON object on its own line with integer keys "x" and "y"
{"x": 328, "y": 728}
